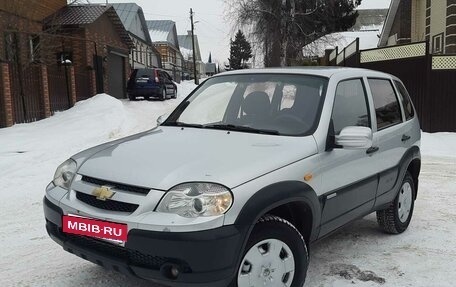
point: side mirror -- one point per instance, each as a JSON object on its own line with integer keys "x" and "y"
{"x": 355, "y": 138}
{"x": 161, "y": 119}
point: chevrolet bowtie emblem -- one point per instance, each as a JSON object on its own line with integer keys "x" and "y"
{"x": 103, "y": 193}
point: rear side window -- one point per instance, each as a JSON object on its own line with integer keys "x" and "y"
{"x": 406, "y": 102}
{"x": 387, "y": 109}
{"x": 350, "y": 106}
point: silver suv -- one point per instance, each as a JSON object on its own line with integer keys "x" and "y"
{"x": 236, "y": 183}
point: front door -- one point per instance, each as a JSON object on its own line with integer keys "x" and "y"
{"x": 349, "y": 181}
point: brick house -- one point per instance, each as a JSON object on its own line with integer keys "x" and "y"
{"x": 97, "y": 45}
{"x": 422, "y": 20}
{"x": 23, "y": 81}
{"x": 164, "y": 38}
{"x": 144, "y": 54}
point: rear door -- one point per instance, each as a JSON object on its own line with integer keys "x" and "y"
{"x": 389, "y": 137}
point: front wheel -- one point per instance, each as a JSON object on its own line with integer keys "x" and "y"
{"x": 276, "y": 255}
{"x": 396, "y": 218}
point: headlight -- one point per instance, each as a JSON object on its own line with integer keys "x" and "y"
{"x": 196, "y": 199}
{"x": 65, "y": 173}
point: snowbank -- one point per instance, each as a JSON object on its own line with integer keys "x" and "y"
{"x": 439, "y": 145}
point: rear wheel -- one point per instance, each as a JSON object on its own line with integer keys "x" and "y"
{"x": 396, "y": 218}
{"x": 175, "y": 94}
{"x": 163, "y": 95}
{"x": 276, "y": 255}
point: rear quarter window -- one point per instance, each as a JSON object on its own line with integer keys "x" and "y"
{"x": 406, "y": 102}
{"x": 387, "y": 108}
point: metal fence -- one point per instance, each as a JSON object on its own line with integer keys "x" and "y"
{"x": 82, "y": 80}
{"x": 59, "y": 88}
{"x": 430, "y": 79}
{"x": 25, "y": 87}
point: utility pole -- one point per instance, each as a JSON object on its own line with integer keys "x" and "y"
{"x": 193, "y": 46}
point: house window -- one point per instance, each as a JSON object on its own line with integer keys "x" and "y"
{"x": 10, "y": 40}
{"x": 140, "y": 54}
{"x": 437, "y": 44}
{"x": 34, "y": 43}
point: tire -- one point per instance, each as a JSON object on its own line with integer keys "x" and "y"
{"x": 396, "y": 218}
{"x": 133, "y": 99}
{"x": 175, "y": 94}
{"x": 269, "y": 234}
{"x": 163, "y": 94}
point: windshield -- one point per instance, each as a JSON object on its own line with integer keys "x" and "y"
{"x": 259, "y": 103}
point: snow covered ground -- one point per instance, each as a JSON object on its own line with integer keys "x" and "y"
{"x": 358, "y": 255}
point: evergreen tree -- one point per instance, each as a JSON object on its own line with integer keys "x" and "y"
{"x": 240, "y": 51}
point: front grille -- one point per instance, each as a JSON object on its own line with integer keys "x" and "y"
{"x": 132, "y": 257}
{"x": 107, "y": 205}
{"x": 116, "y": 185}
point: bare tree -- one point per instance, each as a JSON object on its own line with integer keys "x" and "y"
{"x": 283, "y": 27}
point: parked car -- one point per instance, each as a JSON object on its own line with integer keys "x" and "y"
{"x": 273, "y": 160}
{"x": 151, "y": 83}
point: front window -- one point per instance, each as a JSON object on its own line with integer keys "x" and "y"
{"x": 259, "y": 103}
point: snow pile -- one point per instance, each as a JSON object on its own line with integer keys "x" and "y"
{"x": 439, "y": 145}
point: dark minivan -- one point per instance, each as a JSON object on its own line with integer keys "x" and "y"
{"x": 151, "y": 84}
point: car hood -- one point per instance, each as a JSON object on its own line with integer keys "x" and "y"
{"x": 166, "y": 156}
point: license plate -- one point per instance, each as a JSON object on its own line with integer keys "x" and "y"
{"x": 107, "y": 230}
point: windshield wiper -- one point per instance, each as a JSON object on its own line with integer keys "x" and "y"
{"x": 230, "y": 127}
{"x": 180, "y": 124}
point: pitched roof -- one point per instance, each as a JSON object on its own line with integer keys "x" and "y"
{"x": 394, "y": 6}
{"x": 160, "y": 29}
{"x": 79, "y": 15}
{"x": 127, "y": 13}
{"x": 186, "y": 47}
{"x": 33, "y": 10}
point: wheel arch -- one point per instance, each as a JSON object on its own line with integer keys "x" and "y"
{"x": 293, "y": 201}
{"x": 414, "y": 168}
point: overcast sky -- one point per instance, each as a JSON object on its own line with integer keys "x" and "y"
{"x": 213, "y": 30}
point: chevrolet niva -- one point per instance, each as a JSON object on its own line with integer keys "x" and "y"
{"x": 235, "y": 184}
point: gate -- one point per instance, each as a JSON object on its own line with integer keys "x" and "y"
{"x": 442, "y": 93}
{"x": 59, "y": 89}
{"x": 82, "y": 80}
{"x": 25, "y": 92}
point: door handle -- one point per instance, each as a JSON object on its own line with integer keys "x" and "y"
{"x": 372, "y": 150}
{"x": 405, "y": 138}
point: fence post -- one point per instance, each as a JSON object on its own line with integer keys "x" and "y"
{"x": 93, "y": 83}
{"x": 358, "y": 54}
{"x": 5, "y": 93}
{"x": 45, "y": 106}
{"x": 427, "y": 122}
{"x": 72, "y": 85}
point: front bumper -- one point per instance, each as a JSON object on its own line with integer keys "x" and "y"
{"x": 203, "y": 258}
